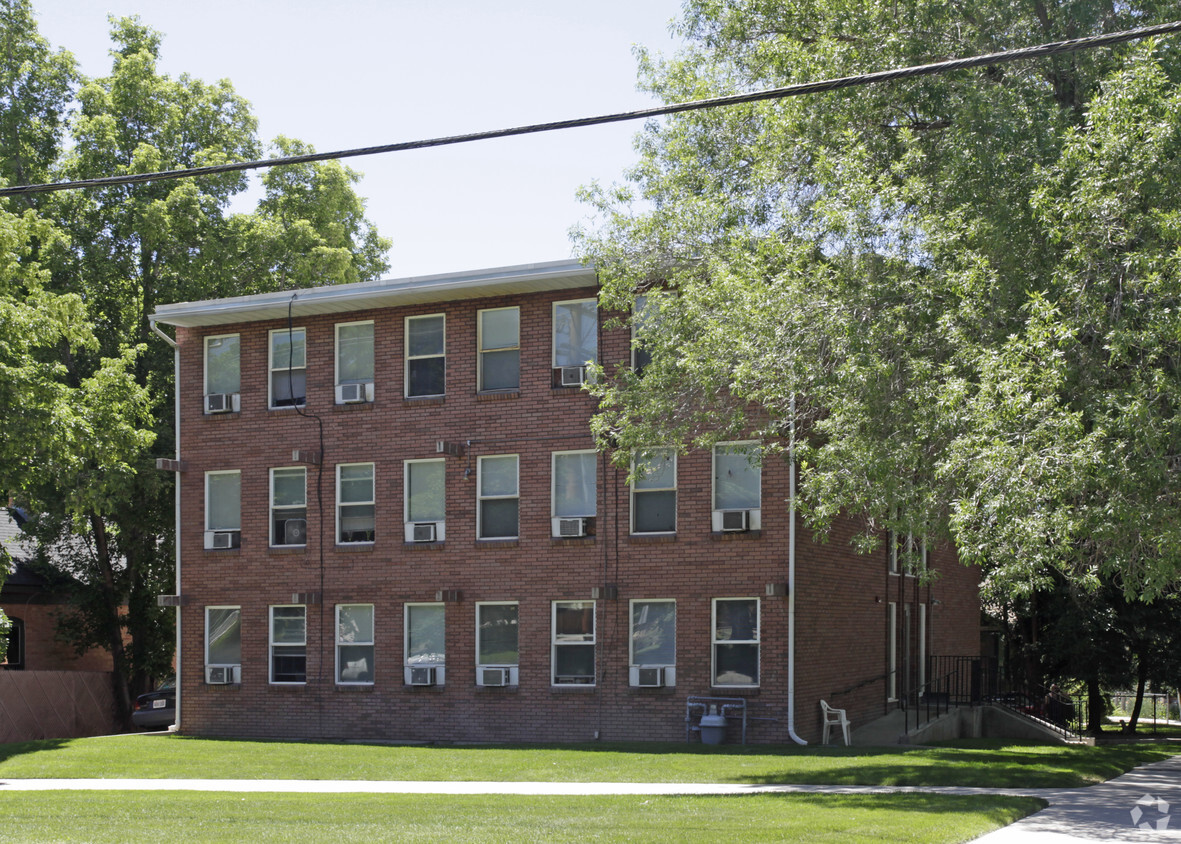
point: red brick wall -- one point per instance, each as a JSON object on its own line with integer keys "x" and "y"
{"x": 840, "y": 627}
{"x": 43, "y": 650}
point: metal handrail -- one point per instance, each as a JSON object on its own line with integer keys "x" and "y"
{"x": 856, "y": 686}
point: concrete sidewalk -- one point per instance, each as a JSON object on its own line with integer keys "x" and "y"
{"x": 1138, "y": 806}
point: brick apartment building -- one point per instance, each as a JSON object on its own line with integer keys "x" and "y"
{"x": 393, "y": 525}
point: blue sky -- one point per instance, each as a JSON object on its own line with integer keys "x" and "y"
{"x": 381, "y": 71}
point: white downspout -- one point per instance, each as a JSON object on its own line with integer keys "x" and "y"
{"x": 791, "y": 579}
{"x": 176, "y": 495}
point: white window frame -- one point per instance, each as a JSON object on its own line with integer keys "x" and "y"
{"x": 554, "y": 332}
{"x": 481, "y": 351}
{"x": 210, "y": 527}
{"x": 512, "y": 667}
{"x": 673, "y": 489}
{"x": 341, "y": 504}
{"x": 272, "y": 511}
{"x": 272, "y": 368}
{"x": 440, "y": 524}
{"x": 755, "y": 513}
{"x": 919, "y": 548}
{"x": 922, "y": 648}
{"x": 555, "y": 516}
{"x": 892, "y": 651}
{"x": 634, "y": 665}
{"x": 556, "y": 642}
{"x": 715, "y": 642}
{"x": 355, "y": 643}
{"x": 208, "y": 662}
{"x": 336, "y": 379}
{"x": 205, "y": 362}
{"x": 440, "y": 666}
{"x": 481, "y": 497}
{"x": 408, "y": 357}
{"x": 271, "y": 645}
{"x": 640, "y": 304}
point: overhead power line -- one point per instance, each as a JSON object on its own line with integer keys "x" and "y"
{"x": 1004, "y": 57}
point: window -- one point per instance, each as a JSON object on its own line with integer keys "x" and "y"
{"x": 354, "y": 361}
{"x": 576, "y": 337}
{"x": 892, "y": 651}
{"x": 907, "y": 553}
{"x": 14, "y": 656}
{"x": 496, "y": 644}
{"x": 654, "y": 491}
{"x": 289, "y": 510}
{"x": 223, "y": 376}
{"x": 426, "y": 360}
{"x": 289, "y": 635}
{"x": 223, "y": 638}
{"x": 354, "y": 644}
{"x": 498, "y": 497}
{"x": 425, "y": 644}
{"x": 573, "y": 655}
{"x": 736, "y": 642}
{"x": 223, "y": 509}
{"x": 288, "y": 367}
{"x": 573, "y": 491}
{"x": 922, "y": 648}
{"x": 425, "y": 498}
{"x": 653, "y": 642}
{"x": 737, "y": 485}
{"x": 641, "y": 356}
{"x": 355, "y": 508}
{"x": 500, "y": 349}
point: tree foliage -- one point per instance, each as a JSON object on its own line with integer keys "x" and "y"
{"x": 963, "y": 288}
{"x": 104, "y": 259}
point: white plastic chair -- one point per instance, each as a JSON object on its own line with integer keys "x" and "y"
{"x": 832, "y": 718}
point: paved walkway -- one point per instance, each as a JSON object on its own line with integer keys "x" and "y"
{"x": 1101, "y": 812}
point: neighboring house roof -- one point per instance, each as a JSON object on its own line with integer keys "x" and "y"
{"x": 449, "y": 287}
{"x": 22, "y": 584}
{"x": 12, "y": 540}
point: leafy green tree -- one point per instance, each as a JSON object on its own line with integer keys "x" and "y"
{"x": 125, "y": 249}
{"x": 960, "y": 288}
{"x": 36, "y": 85}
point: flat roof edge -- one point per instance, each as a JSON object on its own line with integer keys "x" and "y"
{"x": 337, "y": 297}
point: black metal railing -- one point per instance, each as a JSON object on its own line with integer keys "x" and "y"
{"x": 1062, "y": 713}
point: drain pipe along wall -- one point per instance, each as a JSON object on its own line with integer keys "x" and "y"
{"x": 791, "y": 580}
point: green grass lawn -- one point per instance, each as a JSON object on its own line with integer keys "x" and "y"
{"x": 983, "y": 763}
{"x": 103, "y": 816}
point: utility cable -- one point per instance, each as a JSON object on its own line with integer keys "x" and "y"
{"x": 990, "y": 59}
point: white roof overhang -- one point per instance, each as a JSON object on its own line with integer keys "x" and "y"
{"x": 342, "y": 298}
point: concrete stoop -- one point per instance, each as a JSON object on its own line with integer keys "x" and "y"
{"x": 888, "y": 730}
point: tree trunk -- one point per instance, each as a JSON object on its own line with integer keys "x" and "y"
{"x": 1095, "y": 708}
{"x": 1141, "y": 682}
{"x": 114, "y": 628}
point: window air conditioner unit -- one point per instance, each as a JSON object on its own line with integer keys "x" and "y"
{"x": 425, "y": 531}
{"x": 735, "y": 521}
{"x": 572, "y": 376}
{"x": 422, "y": 676}
{"x": 219, "y": 539}
{"x": 220, "y": 675}
{"x": 354, "y": 393}
{"x": 494, "y": 676}
{"x": 295, "y": 532}
{"x": 222, "y": 403}
{"x": 650, "y": 678}
{"x": 571, "y": 528}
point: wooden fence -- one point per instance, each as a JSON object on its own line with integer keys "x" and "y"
{"x": 55, "y": 704}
